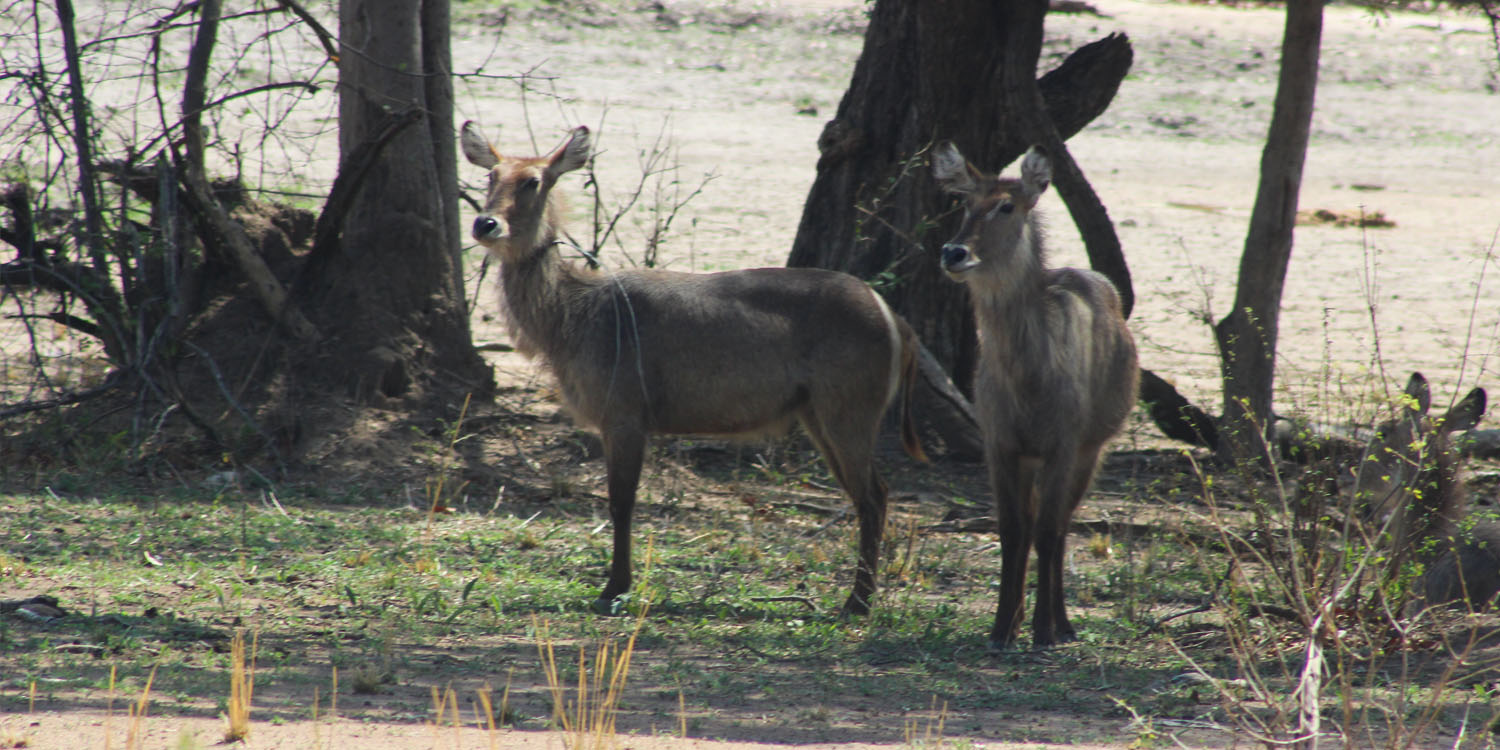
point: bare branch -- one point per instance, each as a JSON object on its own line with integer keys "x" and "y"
{"x": 330, "y": 44}
{"x": 88, "y": 189}
{"x": 263, "y": 284}
{"x": 346, "y": 184}
{"x": 67, "y": 399}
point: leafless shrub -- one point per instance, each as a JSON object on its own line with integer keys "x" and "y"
{"x": 119, "y": 112}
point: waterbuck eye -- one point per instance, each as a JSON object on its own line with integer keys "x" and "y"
{"x": 529, "y": 184}
{"x": 1003, "y": 207}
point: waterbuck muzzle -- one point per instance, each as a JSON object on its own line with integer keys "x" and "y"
{"x": 958, "y": 258}
{"x": 488, "y": 228}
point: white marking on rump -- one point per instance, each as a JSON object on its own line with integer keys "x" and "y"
{"x": 895, "y": 334}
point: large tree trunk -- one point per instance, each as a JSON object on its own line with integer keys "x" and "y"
{"x": 931, "y": 72}
{"x": 389, "y": 290}
{"x": 1247, "y": 335}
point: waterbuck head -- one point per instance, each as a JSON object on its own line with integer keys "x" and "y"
{"x": 519, "y": 217}
{"x": 1410, "y": 467}
{"x": 997, "y": 234}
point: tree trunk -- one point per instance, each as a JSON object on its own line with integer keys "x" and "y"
{"x": 1023, "y": 47}
{"x": 1247, "y": 335}
{"x": 929, "y": 72}
{"x": 389, "y": 290}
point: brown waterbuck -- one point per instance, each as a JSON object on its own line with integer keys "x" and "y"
{"x": 739, "y": 353}
{"x": 1057, "y": 377}
{"x": 1407, "y": 485}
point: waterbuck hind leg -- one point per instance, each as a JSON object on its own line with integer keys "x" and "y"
{"x": 624, "y": 452}
{"x": 870, "y": 509}
{"x": 1014, "y": 482}
{"x": 849, "y": 451}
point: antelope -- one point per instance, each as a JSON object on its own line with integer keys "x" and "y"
{"x": 740, "y": 353}
{"x": 1408, "y": 482}
{"x": 1056, "y": 378}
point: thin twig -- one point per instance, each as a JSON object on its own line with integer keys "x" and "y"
{"x": 218, "y": 375}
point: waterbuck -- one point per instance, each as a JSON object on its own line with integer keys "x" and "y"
{"x": 1057, "y": 377}
{"x": 744, "y": 353}
{"x": 1408, "y": 484}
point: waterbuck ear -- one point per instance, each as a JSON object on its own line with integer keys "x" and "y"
{"x": 1036, "y": 172}
{"x": 1466, "y": 413}
{"x": 572, "y": 155}
{"x": 477, "y": 148}
{"x": 1419, "y": 393}
{"x": 952, "y": 170}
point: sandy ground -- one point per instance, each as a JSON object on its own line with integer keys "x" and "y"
{"x": 71, "y": 731}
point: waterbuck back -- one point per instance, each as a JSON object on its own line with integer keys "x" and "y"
{"x": 1057, "y": 378}
{"x": 745, "y": 353}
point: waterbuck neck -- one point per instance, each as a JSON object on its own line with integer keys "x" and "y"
{"x": 1010, "y": 290}
{"x": 541, "y": 291}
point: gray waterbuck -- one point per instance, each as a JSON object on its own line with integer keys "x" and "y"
{"x": 1056, "y": 378}
{"x": 1407, "y": 485}
{"x": 739, "y": 353}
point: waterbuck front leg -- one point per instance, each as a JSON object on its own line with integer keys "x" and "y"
{"x": 1081, "y": 476}
{"x": 1013, "y": 478}
{"x": 624, "y": 452}
{"x": 1061, "y": 488}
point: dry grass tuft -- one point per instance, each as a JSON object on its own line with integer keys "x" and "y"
{"x": 588, "y": 721}
{"x": 241, "y": 687}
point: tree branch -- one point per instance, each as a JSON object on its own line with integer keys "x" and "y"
{"x": 92, "y": 218}
{"x": 67, "y": 399}
{"x": 263, "y": 284}
{"x": 346, "y": 184}
{"x": 330, "y": 44}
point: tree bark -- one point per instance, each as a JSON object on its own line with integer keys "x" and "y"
{"x": 390, "y": 289}
{"x": 1023, "y": 46}
{"x": 1247, "y": 335}
{"x": 929, "y": 72}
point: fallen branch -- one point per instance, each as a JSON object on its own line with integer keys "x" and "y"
{"x": 67, "y": 399}
{"x": 946, "y": 410}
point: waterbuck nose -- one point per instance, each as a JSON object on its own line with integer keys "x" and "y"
{"x": 954, "y": 254}
{"x": 486, "y": 227}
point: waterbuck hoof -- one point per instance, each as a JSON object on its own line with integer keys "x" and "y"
{"x": 997, "y": 647}
{"x": 1057, "y": 639}
{"x": 611, "y": 606}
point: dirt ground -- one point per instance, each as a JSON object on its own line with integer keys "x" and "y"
{"x": 1408, "y": 125}
{"x": 74, "y": 730}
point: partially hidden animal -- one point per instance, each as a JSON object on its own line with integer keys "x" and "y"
{"x": 1408, "y": 486}
{"x": 1057, "y": 376}
{"x": 740, "y": 353}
